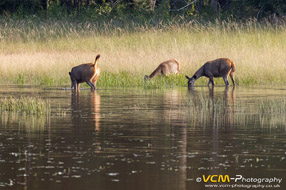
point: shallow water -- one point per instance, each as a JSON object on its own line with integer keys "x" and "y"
{"x": 143, "y": 139}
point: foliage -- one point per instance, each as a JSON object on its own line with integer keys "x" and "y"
{"x": 99, "y": 9}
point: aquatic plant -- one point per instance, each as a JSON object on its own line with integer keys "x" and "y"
{"x": 227, "y": 111}
{"x": 25, "y": 105}
{"x": 260, "y": 106}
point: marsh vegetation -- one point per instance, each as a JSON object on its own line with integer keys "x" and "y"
{"x": 43, "y": 52}
{"x": 27, "y": 105}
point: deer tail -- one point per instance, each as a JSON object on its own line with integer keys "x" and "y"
{"x": 96, "y": 59}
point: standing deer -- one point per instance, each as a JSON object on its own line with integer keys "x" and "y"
{"x": 168, "y": 67}
{"x": 88, "y": 72}
{"x": 221, "y": 67}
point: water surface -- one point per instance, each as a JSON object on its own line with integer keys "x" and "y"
{"x": 142, "y": 139}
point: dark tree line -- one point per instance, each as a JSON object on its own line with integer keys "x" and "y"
{"x": 200, "y": 8}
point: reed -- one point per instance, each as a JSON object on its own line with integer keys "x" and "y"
{"x": 25, "y": 105}
{"x": 43, "y": 52}
{"x": 223, "y": 105}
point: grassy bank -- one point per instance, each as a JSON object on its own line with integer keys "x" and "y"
{"x": 33, "y": 52}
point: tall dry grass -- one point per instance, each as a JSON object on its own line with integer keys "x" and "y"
{"x": 44, "y": 52}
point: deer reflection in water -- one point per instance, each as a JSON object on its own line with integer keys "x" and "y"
{"x": 216, "y": 106}
{"x": 86, "y": 110}
{"x": 227, "y": 107}
{"x": 214, "y": 114}
{"x": 173, "y": 115}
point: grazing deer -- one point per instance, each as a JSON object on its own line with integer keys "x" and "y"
{"x": 88, "y": 73}
{"x": 168, "y": 67}
{"x": 221, "y": 67}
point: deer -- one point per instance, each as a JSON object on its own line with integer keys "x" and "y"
{"x": 168, "y": 67}
{"x": 222, "y": 67}
{"x": 88, "y": 72}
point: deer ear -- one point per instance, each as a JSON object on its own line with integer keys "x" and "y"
{"x": 187, "y": 77}
{"x": 195, "y": 77}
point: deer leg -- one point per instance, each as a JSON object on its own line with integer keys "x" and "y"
{"x": 211, "y": 81}
{"x": 73, "y": 81}
{"x": 232, "y": 78}
{"x": 225, "y": 81}
{"x": 94, "y": 80}
{"x": 91, "y": 85}
{"x": 75, "y": 84}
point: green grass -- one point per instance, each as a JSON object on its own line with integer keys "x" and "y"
{"x": 43, "y": 52}
{"x": 125, "y": 79}
{"x": 25, "y": 105}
